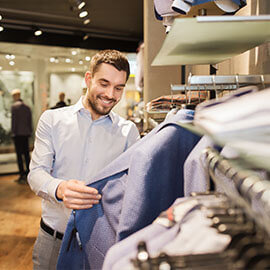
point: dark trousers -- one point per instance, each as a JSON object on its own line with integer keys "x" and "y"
{"x": 22, "y": 149}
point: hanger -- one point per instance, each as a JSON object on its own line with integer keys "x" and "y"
{"x": 262, "y": 80}
{"x": 214, "y": 84}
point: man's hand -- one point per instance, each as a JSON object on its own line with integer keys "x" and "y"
{"x": 76, "y": 195}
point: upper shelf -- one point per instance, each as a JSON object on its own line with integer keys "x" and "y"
{"x": 212, "y": 39}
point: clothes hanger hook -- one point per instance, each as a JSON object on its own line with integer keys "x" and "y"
{"x": 237, "y": 80}
{"x": 214, "y": 85}
{"x": 262, "y": 81}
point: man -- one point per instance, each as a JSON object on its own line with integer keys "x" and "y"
{"x": 21, "y": 129}
{"x": 72, "y": 145}
{"x": 61, "y": 102}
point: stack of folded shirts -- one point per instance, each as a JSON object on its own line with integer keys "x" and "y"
{"x": 241, "y": 121}
{"x": 175, "y": 101}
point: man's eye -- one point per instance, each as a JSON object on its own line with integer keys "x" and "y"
{"x": 103, "y": 84}
{"x": 119, "y": 88}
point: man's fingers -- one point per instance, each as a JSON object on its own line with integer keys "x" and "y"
{"x": 79, "y": 206}
{"x": 81, "y": 195}
{"x": 80, "y": 186}
{"x": 80, "y": 201}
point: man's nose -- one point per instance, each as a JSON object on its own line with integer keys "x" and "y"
{"x": 109, "y": 92}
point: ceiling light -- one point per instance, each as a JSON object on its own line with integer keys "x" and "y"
{"x": 86, "y": 21}
{"x": 10, "y": 56}
{"x": 56, "y": 60}
{"x": 74, "y": 52}
{"x": 72, "y": 69}
{"x": 68, "y": 60}
{"x": 38, "y": 32}
{"x": 85, "y": 37}
{"x": 83, "y": 14}
{"x": 52, "y": 59}
{"x": 12, "y": 63}
{"x": 87, "y": 58}
{"x": 81, "y": 62}
{"x": 81, "y": 4}
{"x": 1, "y": 68}
{"x": 1, "y": 17}
{"x": 1, "y": 28}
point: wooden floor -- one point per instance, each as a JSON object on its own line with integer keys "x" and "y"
{"x": 20, "y": 211}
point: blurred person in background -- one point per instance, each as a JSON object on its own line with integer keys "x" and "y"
{"x": 21, "y": 128}
{"x": 61, "y": 102}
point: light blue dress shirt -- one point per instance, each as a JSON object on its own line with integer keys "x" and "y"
{"x": 70, "y": 145}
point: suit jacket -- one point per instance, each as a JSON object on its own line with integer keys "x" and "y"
{"x": 142, "y": 182}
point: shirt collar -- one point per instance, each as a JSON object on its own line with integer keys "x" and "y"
{"x": 79, "y": 106}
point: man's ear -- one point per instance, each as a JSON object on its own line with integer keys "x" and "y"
{"x": 87, "y": 78}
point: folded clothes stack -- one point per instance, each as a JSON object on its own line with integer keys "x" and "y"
{"x": 176, "y": 101}
{"x": 240, "y": 121}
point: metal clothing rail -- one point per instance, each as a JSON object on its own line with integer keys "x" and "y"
{"x": 177, "y": 87}
{"x": 221, "y": 82}
{"x": 244, "y": 187}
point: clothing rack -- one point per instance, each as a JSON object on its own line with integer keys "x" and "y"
{"x": 246, "y": 188}
{"x": 221, "y": 82}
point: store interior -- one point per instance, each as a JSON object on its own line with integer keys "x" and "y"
{"x": 198, "y": 52}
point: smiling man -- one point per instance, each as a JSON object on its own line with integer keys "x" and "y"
{"x": 72, "y": 145}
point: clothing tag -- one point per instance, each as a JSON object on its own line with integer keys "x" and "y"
{"x": 164, "y": 221}
{"x": 180, "y": 210}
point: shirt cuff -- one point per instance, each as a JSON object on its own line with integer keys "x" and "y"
{"x": 52, "y": 187}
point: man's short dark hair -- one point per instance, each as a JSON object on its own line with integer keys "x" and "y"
{"x": 111, "y": 57}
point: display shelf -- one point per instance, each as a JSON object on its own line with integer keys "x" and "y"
{"x": 212, "y": 39}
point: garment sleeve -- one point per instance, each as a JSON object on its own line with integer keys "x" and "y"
{"x": 133, "y": 135}
{"x": 40, "y": 178}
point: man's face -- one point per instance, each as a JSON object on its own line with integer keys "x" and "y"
{"x": 105, "y": 89}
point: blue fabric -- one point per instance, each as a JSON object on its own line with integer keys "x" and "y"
{"x": 136, "y": 187}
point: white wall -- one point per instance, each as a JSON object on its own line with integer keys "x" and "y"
{"x": 70, "y": 83}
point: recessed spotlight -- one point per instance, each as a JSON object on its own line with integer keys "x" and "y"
{"x": 38, "y": 32}
{"x": 1, "y": 28}
{"x": 85, "y": 37}
{"x": 87, "y": 58}
{"x": 81, "y": 62}
{"x": 1, "y": 68}
{"x": 68, "y": 60}
{"x": 56, "y": 60}
{"x": 12, "y": 63}
{"x": 81, "y": 5}
{"x": 52, "y": 59}
{"x": 86, "y": 21}
{"x": 74, "y": 52}
{"x": 10, "y": 56}
{"x": 72, "y": 69}
{"x": 83, "y": 14}
{"x": 1, "y": 17}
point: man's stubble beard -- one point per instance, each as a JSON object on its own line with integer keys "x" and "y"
{"x": 95, "y": 106}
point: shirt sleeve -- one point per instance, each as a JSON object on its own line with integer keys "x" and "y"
{"x": 133, "y": 135}
{"x": 40, "y": 178}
